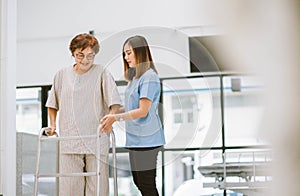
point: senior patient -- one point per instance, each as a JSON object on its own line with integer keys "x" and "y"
{"x": 82, "y": 93}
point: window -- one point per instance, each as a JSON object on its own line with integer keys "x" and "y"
{"x": 177, "y": 118}
{"x": 28, "y": 112}
{"x": 190, "y": 117}
{"x": 243, "y": 110}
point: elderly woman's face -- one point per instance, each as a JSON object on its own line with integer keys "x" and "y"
{"x": 84, "y": 59}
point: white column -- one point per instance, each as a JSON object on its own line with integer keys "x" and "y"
{"x": 8, "y": 24}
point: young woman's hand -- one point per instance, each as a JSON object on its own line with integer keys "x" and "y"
{"x": 107, "y": 122}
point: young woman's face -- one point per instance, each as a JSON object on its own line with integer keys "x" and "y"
{"x": 129, "y": 55}
{"x": 84, "y": 59}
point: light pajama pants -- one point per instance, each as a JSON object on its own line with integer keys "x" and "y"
{"x": 83, "y": 185}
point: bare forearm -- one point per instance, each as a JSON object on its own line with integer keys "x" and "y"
{"x": 131, "y": 115}
{"x": 140, "y": 112}
{"x": 52, "y": 116}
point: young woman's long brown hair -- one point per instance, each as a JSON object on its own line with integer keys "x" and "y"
{"x": 143, "y": 58}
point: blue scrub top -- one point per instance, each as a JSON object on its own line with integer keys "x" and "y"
{"x": 146, "y": 131}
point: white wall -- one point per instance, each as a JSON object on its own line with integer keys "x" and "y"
{"x": 45, "y": 19}
{"x": 45, "y": 29}
{"x": 1, "y": 148}
{"x": 8, "y": 97}
{"x": 169, "y": 48}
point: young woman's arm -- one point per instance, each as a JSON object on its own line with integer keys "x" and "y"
{"x": 142, "y": 111}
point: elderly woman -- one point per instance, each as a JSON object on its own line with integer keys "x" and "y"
{"x": 83, "y": 94}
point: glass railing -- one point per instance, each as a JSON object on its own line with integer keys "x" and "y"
{"x": 210, "y": 122}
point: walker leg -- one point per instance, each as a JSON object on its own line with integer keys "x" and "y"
{"x": 57, "y": 166}
{"x": 98, "y": 153}
{"x": 37, "y": 164}
{"x": 114, "y": 164}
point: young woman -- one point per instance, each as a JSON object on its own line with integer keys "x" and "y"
{"x": 82, "y": 94}
{"x": 144, "y": 133}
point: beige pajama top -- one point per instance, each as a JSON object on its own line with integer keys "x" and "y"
{"x": 82, "y": 100}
